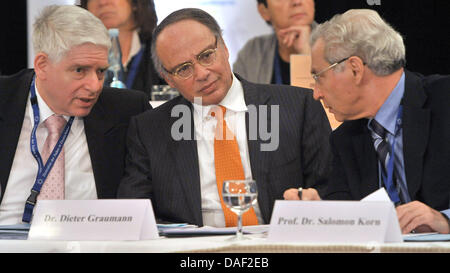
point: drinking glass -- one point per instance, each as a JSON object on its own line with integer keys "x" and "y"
{"x": 239, "y": 196}
{"x": 163, "y": 93}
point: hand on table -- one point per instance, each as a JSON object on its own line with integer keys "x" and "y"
{"x": 421, "y": 218}
{"x": 310, "y": 194}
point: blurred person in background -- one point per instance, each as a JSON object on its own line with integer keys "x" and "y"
{"x": 265, "y": 59}
{"x": 135, "y": 20}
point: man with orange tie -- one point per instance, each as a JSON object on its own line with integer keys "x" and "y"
{"x": 221, "y": 128}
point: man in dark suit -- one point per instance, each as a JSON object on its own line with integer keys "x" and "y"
{"x": 173, "y": 155}
{"x": 360, "y": 76}
{"x": 66, "y": 82}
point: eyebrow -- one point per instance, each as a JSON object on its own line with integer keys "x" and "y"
{"x": 83, "y": 66}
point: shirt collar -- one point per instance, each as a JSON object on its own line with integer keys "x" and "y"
{"x": 135, "y": 47}
{"x": 233, "y": 100}
{"x": 44, "y": 109}
{"x": 387, "y": 115}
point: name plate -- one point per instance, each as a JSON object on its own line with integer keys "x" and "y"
{"x": 334, "y": 222}
{"x": 93, "y": 220}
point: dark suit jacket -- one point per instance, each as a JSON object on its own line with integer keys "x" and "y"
{"x": 426, "y": 147}
{"x": 167, "y": 171}
{"x": 146, "y": 75}
{"x": 105, "y": 129}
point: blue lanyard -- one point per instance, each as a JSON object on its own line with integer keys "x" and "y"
{"x": 43, "y": 170}
{"x": 134, "y": 67}
{"x": 390, "y": 167}
{"x": 277, "y": 66}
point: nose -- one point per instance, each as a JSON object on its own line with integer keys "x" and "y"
{"x": 296, "y": 2}
{"x": 317, "y": 93}
{"x": 201, "y": 73}
{"x": 93, "y": 82}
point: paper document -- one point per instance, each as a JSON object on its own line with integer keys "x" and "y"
{"x": 393, "y": 233}
{"x": 209, "y": 231}
{"x": 164, "y": 227}
{"x": 426, "y": 237}
{"x": 379, "y": 195}
{"x": 14, "y": 232}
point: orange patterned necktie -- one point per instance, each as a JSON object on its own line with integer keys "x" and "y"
{"x": 228, "y": 164}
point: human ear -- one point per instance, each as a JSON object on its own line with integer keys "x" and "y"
{"x": 168, "y": 79}
{"x": 264, "y": 12}
{"x": 357, "y": 66}
{"x": 41, "y": 64}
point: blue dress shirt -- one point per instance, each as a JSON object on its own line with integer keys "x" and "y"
{"x": 387, "y": 116}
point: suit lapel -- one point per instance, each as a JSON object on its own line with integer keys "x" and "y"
{"x": 13, "y": 101}
{"x": 185, "y": 158}
{"x": 259, "y": 161}
{"x": 97, "y": 121}
{"x": 96, "y": 126}
{"x": 252, "y": 99}
{"x": 416, "y": 123}
{"x": 366, "y": 159}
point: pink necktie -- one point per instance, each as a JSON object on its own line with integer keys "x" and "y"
{"x": 53, "y": 188}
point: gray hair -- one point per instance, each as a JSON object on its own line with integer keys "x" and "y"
{"x": 58, "y": 29}
{"x": 198, "y": 15}
{"x": 365, "y": 34}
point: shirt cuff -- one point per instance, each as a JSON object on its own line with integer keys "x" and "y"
{"x": 446, "y": 214}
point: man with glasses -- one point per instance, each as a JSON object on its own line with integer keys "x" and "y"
{"x": 183, "y": 176}
{"x": 62, "y": 134}
{"x": 358, "y": 65}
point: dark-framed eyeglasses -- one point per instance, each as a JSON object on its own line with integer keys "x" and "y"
{"x": 186, "y": 70}
{"x": 317, "y": 75}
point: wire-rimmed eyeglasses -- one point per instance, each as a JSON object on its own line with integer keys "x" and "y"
{"x": 317, "y": 75}
{"x": 186, "y": 70}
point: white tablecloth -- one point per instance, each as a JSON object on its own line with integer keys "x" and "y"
{"x": 215, "y": 244}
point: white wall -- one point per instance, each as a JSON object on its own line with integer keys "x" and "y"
{"x": 239, "y": 19}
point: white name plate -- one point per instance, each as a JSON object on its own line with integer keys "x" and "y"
{"x": 93, "y": 220}
{"x": 334, "y": 222}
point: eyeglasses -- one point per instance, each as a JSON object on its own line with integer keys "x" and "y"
{"x": 186, "y": 70}
{"x": 317, "y": 75}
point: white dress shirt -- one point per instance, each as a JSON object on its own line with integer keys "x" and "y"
{"x": 79, "y": 177}
{"x": 134, "y": 49}
{"x": 205, "y": 125}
